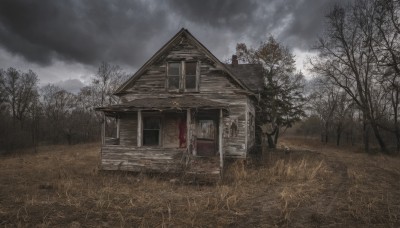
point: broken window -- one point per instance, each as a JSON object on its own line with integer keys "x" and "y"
{"x": 174, "y": 75}
{"x": 151, "y": 131}
{"x": 205, "y": 129}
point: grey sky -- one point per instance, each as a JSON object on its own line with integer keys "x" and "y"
{"x": 65, "y": 41}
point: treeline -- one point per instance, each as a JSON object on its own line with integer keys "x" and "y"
{"x": 356, "y": 92}
{"x": 30, "y": 115}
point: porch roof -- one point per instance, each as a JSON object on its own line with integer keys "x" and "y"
{"x": 171, "y": 103}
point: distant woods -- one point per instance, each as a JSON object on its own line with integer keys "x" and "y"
{"x": 31, "y": 115}
{"x": 356, "y": 94}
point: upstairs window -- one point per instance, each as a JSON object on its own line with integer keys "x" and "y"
{"x": 182, "y": 76}
{"x": 174, "y": 76}
{"x": 190, "y": 75}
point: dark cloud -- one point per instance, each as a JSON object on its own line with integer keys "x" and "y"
{"x": 128, "y": 32}
{"x": 306, "y": 23}
{"x": 71, "y": 85}
{"x": 86, "y": 32}
{"x": 225, "y": 14}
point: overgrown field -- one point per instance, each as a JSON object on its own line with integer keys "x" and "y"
{"x": 309, "y": 185}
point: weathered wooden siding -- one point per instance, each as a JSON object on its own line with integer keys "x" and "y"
{"x": 234, "y": 142}
{"x": 251, "y": 135}
{"x": 212, "y": 79}
{"x": 128, "y": 129}
{"x": 234, "y": 132}
{"x": 117, "y": 157}
{"x": 214, "y": 84}
{"x": 152, "y": 80}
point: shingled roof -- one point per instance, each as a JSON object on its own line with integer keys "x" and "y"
{"x": 249, "y": 74}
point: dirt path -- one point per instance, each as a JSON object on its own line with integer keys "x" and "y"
{"x": 361, "y": 190}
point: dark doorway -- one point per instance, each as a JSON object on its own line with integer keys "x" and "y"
{"x": 206, "y": 134}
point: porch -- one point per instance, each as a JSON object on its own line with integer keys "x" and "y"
{"x": 186, "y": 138}
{"x": 161, "y": 160}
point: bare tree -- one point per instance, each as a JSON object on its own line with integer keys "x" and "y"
{"x": 106, "y": 81}
{"x": 20, "y": 91}
{"x": 58, "y": 105}
{"x": 386, "y": 47}
{"x": 324, "y": 103}
{"x": 347, "y": 60}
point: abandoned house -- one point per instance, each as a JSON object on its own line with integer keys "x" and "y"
{"x": 183, "y": 110}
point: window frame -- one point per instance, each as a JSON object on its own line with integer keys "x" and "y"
{"x": 150, "y": 115}
{"x": 182, "y": 79}
{"x": 179, "y": 76}
{"x": 196, "y": 75}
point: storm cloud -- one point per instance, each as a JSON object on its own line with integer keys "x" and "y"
{"x": 129, "y": 32}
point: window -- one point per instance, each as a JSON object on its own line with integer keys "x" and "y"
{"x": 174, "y": 76}
{"x": 182, "y": 76}
{"x": 190, "y": 76}
{"x": 205, "y": 129}
{"x": 151, "y": 131}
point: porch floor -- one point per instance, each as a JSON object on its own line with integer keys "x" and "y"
{"x": 159, "y": 160}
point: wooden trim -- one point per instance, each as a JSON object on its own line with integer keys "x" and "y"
{"x": 161, "y": 118}
{"x": 220, "y": 141}
{"x": 166, "y": 76}
{"x": 139, "y": 128}
{"x": 188, "y": 130}
{"x": 182, "y": 81}
{"x": 118, "y": 120}
{"x": 198, "y": 74}
{"x": 246, "y": 129}
{"x": 198, "y": 66}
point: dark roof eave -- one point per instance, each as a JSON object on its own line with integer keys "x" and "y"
{"x": 131, "y": 109}
{"x": 175, "y": 103}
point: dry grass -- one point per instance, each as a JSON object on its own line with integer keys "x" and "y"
{"x": 61, "y": 186}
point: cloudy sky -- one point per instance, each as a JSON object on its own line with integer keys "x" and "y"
{"x": 64, "y": 42}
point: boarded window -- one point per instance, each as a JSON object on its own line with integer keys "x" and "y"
{"x": 190, "y": 77}
{"x": 151, "y": 131}
{"x": 174, "y": 75}
{"x": 205, "y": 129}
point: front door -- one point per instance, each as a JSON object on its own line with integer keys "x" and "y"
{"x": 206, "y": 137}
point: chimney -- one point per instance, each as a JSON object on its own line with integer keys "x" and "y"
{"x": 235, "y": 61}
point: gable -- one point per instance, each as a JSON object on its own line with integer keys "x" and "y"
{"x": 182, "y": 47}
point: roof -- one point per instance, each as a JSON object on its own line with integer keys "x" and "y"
{"x": 250, "y": 74}
{"x": 164, "y": 104}
{"x": 182, "y": 33}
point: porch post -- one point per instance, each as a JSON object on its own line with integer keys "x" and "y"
{"x": 220, "y": 141}
{"x": 139, "y": 128}
{"x": 188, "y": 129}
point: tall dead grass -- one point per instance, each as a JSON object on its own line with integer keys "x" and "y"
{"x": 61, "y": 186}
{"x": 296, "y": 179}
